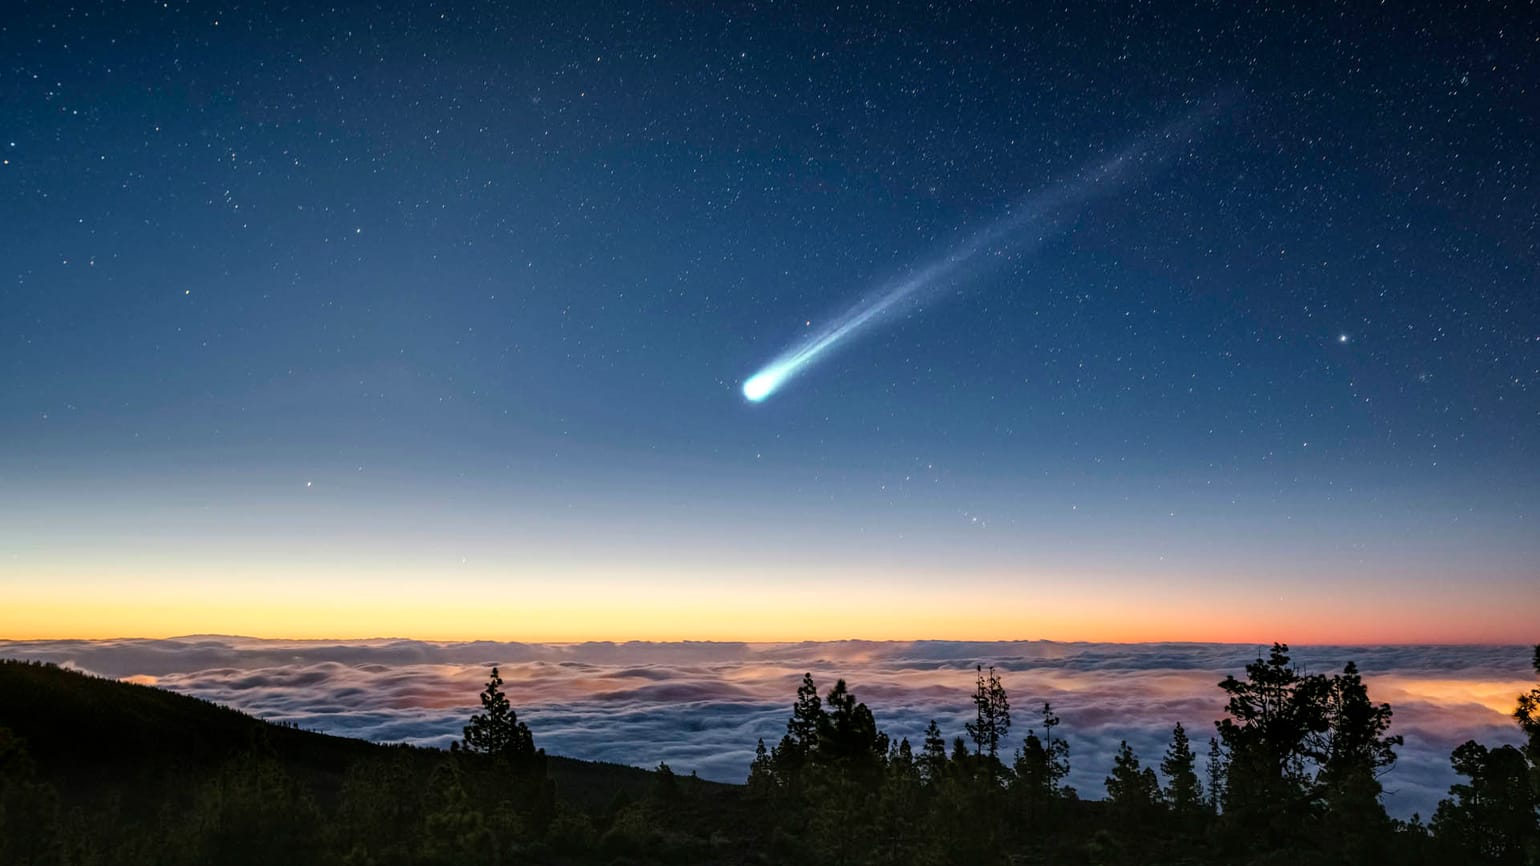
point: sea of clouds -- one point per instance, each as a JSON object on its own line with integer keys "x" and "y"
{"x": 703, "y": 706}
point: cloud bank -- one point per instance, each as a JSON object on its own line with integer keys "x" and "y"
{"x": 703, "y": 706}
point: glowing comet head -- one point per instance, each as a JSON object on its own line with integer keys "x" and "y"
{"x": 1040, "y": 213}
{"x": 762, "y": 384}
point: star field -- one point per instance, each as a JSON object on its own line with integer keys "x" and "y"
{"x": 451, "y": 300}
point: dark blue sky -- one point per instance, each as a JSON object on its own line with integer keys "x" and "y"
{"x": 378, "y": 294}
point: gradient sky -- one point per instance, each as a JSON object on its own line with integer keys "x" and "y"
{"x": 433, "y": 321}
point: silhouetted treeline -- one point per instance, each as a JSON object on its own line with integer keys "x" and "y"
{"x": 1291, "y": 775}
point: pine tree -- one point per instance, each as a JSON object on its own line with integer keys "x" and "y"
{"x": 1183, "y": 791}
{"x": 798, "y": 746}
{"x": 1496, "y": 814}
{"x": 497, "y": 731}
{"x": 665, "y": 784}
{"x": 846, "y": 777}
{"x": 1041, "y": 766}
{"x": 1352, "y": 758}
{"x": 848, "y": 735}
{"x": 933, "y": 761}
{"x": 806, "y": 717}
{"x": 1274, "y": 716}
{"x": 1032, "y": 775}
{"x": 1132, "y": 790}
{"x": 1218, "y": 771}
{"x": 1057, "y": 750}
{"x": 898, "y": 831}
{"x": 762, "y": 781}
{"x": 993, "y": 714}
{"x": 1492, "y": 817}
{"x": 1527, "y": 714}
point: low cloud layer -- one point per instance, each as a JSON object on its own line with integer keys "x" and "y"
{"x": 703, "y": 706}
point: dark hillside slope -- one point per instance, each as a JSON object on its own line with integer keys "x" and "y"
{"x": 90, "y": 735}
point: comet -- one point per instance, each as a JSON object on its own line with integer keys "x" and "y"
{"x": 1026, "y": 226}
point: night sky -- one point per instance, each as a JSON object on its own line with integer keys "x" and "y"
{"x": 433, "y": 320}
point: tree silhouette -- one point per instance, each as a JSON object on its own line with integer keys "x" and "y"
{"x": 1183, "y": 792}
{"x": 933, "y": 762}
{"x": 665, "y": 785}
{"x": 801, "y": 739}
{"x": 1058, "y": 750}
{"x": 1218, "y": 770}
{"x": 857, "y": 799}
{"x": 1491, "y": 816}
{"x": 1031, "y": 766}
{"x": 898, "y": 827}
{"x": 1040, "y": 769}
{"x": 497, "y": 731}
{"x": 1132, "y": 790}
{"x": 1303, "y": 756}
{"x": 993, "y": 714}
{"x": 806, "y": 716}
{"x": 1351, "y": 759}
{"x": 1273, "y": 715}
{"x": 1357, "y": 743}
{"x": 1527, "y": 714}
{"x": 762, "y": 781}
{"x": 848, "y": 735}
{"x": 843, "y": 777}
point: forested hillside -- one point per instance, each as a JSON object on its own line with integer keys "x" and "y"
{"x": 98, "y": 771}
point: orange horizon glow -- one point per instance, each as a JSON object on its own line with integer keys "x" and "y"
{"x": 1065, "y": 609}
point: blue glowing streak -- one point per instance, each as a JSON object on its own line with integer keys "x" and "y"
{"x": 1047, "y": 211}
{"x": 775, "y": 374}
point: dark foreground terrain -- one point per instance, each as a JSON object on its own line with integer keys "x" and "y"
{"x": 99, "y": 771}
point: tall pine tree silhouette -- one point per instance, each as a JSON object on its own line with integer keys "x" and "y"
{"x": 496, "y": 730}
{"x": 1184, "y": 793}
